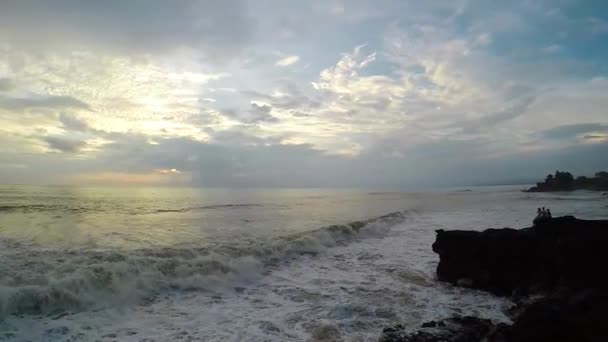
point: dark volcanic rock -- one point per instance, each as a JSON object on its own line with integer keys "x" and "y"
{"x": 578, "y": 317}
{"x": 457, "y": 329}
{"x": 562, "y": 252}
{"x": 563, "y": 259}
{"x": 565, "y": 181}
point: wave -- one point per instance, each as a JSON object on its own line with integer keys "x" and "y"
{"x": 43, "y": 281}
{"x": 31, "y": 208}
{"x": 206, "y": 207}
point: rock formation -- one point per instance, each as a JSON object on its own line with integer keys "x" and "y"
{"x": 563, "y": 260}
{"x": 565, "y": 181}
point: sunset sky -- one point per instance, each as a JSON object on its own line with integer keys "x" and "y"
{"x": 301, "y": 93}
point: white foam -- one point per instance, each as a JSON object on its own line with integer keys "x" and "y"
{"x": 338, "y": 281}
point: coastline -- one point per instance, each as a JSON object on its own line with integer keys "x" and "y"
{"x": 552, "y": 271}
{"x": 565, "y": 181}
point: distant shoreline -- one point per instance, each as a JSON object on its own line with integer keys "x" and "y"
{"x": 565, "y": 181}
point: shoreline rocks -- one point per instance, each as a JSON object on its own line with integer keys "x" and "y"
{"x": 565, "y": 181}
{"x": 562, "y": 261}
{"x": 456, "y": 329}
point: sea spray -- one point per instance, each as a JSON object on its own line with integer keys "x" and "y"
{"x": 40, "y": 281}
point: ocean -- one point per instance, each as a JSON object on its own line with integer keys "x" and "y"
{"x": 188, "y": 264}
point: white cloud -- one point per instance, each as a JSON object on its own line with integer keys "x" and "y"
{"x": 483, "y": 39}
{"x": 599, "y": 26}
{"x": 434, "y": 77}
{"x": 553, "y": 48}
{"x": 289, "y": 60}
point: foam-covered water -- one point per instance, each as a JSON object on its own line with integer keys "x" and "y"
{"x": 279, "y": 265}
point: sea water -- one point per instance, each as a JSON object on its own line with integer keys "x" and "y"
{"x": 188, "y": 264}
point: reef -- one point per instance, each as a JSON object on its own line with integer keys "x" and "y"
{"x": 555, "y": 271}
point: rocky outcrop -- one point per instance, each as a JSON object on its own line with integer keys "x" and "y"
{"x": 565, "y": 181}
{"x": 561, "y": 252}
{"x": 574, "y": 317}
{"x": 457, "y": 329}
{"x": 563, "y": 260}
{"x": 577, "y": 317}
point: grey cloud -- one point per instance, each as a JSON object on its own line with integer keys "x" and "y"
{"x": 219, "y": 28}
{"x": 375, "y": 103}
{"x": 255, "y": 114}
{"x": 261, "y": 113}
{"x": 508, "y": 113}
{"x": 298, "y": 114}
{"x": 598, "y": 26}
{"x": 292, "y": 98}
{"x": 72, "y": 123}
{"x": 449, "y": 163}
{"x": 518, "y": 90}
{"x": 53, "y": 102}
{"x": 267, "y": 162}
{"x": 241, "y": 136}
{"x": 515, "y": 110}
{"x": 5, "y": 84}
{"x": 256, "y": 95}
{"x": 270, "y": 163}
{"x": 64, "y": 144}
{"x": 205, "y": 117}
{"x": 570, "y": 131}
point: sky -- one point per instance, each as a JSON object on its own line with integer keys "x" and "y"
{"x": 269, "y": 93}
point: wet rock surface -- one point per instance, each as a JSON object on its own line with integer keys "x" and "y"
{"x": 561, "y": 252}
{"x": 562, "y": 260}
{"x": 457, "y": 329}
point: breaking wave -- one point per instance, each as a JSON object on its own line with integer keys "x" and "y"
{"x": 46, "y": 281}
{"x": 31, "y": 208}
{"x": 206, "y": 207}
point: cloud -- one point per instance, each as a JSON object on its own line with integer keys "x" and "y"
{"x": 486, "y": 122}
{"x": 441, "y": 91}
{"x": 169, "y": 171}
{"x": 599, "y": 26}
{"x": 63, "y": 144}
{"x": 289, "y": 60}
{"x": 73, "y": 123}
{"x": 257, "y": 113}
{"x": 219, "y": 30}
{"x": 6, "y": 84}
{"x": 52, "y": 102}
{"x": 596, "y": 137}
{"x": 570, "y": 131}
{"x": 129, "y": 178}
{"x": 553, "y": 48}
{"x": 483, "y": 39}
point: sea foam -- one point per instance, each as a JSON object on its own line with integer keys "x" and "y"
{"x": 40, "y": 281}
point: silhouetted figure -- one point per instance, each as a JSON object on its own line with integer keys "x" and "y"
{"x": 542, "y": 215}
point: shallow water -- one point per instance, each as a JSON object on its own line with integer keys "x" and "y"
{"x": 85, "y": 264}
